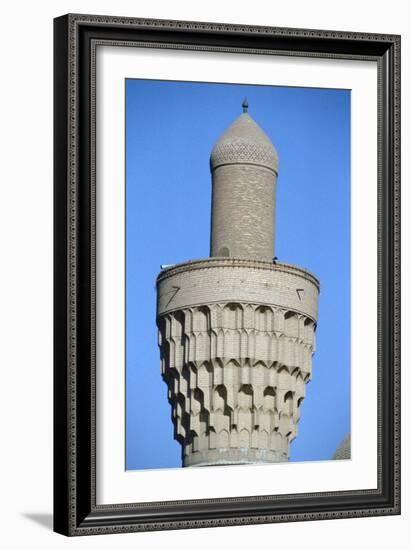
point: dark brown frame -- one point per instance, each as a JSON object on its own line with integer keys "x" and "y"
{"x": 75, "y": 40}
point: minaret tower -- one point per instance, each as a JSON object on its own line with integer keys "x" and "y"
{"x": 244, "y": 168}
{"x": 237, "y": 330}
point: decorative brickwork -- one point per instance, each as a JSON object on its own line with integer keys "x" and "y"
{"x": 244, "y": 168}
{"x": 237, "y": 330}
{"x": 244, "y": 142}
{"x": 236, "y": 376}
{"x": 228, "y": 279}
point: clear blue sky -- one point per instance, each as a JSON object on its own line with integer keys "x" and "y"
{"x": 170, "y": 130}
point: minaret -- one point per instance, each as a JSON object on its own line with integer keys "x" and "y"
{"x": 244, "y": 168}
{"x": 237, "y": 330}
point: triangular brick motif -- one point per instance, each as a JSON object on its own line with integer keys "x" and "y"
{"x": 300, "y": 293}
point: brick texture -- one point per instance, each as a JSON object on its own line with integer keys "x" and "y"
{"x": 237, "y": 330}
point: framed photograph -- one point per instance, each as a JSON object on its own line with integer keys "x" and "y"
{"x": 227, "y": 280}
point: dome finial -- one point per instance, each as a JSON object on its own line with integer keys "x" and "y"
{"x": 245, "y": 105}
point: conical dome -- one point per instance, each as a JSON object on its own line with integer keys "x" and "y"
{"x": 244, "y": 142}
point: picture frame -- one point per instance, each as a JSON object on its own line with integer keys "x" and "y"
{"x": 76, "y": 510}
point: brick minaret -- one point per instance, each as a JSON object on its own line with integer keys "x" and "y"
{"x": 237, "y": 330}
{"x": 244, "y": 168}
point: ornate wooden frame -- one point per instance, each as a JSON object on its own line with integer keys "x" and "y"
{"x": 75, "y": 42}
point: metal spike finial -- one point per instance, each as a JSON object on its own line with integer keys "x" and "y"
{"x": 245, "y": 105}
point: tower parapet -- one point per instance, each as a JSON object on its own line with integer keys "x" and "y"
{"x": 237, "y": 333}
